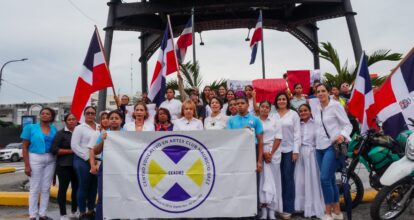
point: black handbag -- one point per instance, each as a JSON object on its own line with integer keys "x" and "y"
{"x": 341, "y": 149}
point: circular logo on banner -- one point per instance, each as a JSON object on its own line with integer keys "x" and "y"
{"x": 176, "y": 173}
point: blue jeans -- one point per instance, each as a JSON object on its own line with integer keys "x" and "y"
{"x": 287, "y": 169}
{"x": 328, "y": 164}
{"x": 99, "y": 210}
{"x": 87, "y": 184}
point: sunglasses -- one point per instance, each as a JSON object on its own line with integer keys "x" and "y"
{"x": 90, "y": 113}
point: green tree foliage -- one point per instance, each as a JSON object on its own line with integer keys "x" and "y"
{"x": 346, "y": 73}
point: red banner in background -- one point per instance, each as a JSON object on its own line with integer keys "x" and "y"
{"x": 299, "y": 76}
{"x": 267, "y": 89}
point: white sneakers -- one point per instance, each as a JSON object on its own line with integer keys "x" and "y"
{"x": 334, "y": 216}
{"x": 64, "y": 217}
{"x": 285, "y": 215}
{"x": 340, "y": 216}
{"x": 264, "y": 213}
{"x": 272, "y": 214}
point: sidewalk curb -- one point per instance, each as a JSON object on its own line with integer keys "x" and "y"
{"x": 369, "y": 196}
{"x": 7, "y": 170}
{"x": 22, "y": 198}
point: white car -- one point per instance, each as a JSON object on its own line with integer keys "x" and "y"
{"x": 12, "y": 152}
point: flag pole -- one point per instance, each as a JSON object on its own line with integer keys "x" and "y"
{"x": 180, "y": 78}
{"x": 262, "y": 44}
{"x": 106, "y": 65}
{"x": 193, "y": 36}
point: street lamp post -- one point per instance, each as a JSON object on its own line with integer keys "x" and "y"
{"x": 11, "y": 61}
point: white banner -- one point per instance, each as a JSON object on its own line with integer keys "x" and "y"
{"x": 194, "y": 174}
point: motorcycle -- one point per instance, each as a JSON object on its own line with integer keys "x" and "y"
{"x": 376, "y": 152}
{"x": 398, "y": 182}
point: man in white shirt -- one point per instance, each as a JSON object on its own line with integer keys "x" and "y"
{"x": 173, "y": 105}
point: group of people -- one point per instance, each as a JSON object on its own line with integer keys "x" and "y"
{"x": 296, "y": 161}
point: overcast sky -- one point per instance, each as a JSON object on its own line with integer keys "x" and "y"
{"x": 55, "y": 35}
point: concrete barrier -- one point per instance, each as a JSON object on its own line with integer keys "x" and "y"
{"x": 22, "y": 198}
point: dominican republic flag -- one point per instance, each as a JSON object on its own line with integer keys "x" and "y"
{"x": 257, "y": 36}
{"x": 185, "y": 40}
{"x": 395, "y": 99}
{"x": 362, "y": 102}
{"x": 93, "y": 77}
{"x": 166, "y": 64}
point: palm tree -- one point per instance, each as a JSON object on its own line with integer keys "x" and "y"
{"x": 345, "y": 73}
{"x": 193, "y": 79}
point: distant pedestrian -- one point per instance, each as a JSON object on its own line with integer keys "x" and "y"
{"x": 39, "y": 162}
{"x": 64, "y": 166}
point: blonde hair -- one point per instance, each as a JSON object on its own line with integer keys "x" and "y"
{"x": 193, "y": 106}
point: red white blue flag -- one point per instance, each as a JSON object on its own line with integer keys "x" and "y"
{"x": 257, "y": 37}
{"x": 185, "y": 40}
{"x": 166, "y": 64}
{"x": 93, "y": 76}
{"x": 362, "y": 102}
{"x": 395, "y": 99}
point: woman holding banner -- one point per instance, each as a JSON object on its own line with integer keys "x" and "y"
{"x": 216, "y": 120}
{"x": 115, "y": 121}
{"x": 39, "y": 163}
{"x": 270, "y": 191}
{"x": 188, "y": 120}
{"x": 141, "y": 121}
{"x": 333, "y": 127}
{"x": 88, "y": 182}
{"x": 290, "y": 122}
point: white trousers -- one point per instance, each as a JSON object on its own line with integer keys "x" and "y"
{"x": 43, "y": 169}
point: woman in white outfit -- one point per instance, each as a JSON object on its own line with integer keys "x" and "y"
{"x": 188, "y": 121}
{"x": 141, "y": 121}
{"x": 217, "y": 119}
{"x": 270, "y": 190}
{"x": 309, "y": 198}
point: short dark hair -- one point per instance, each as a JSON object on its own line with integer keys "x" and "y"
{"x": 265, "y": 101}
{"x": 248, "y": 86}
{"x": 297, "y": 84}
{"x": 116, "y": 111}
{"x": 166, "y": 111}
{"x": 52, "y": 113}
{"x": 65, "y": 118}
{"x": 88, "y": 107}
{"x": 169, "y": 88}
{"x": 243, "y": 98}
{"x": 287, "y": 99}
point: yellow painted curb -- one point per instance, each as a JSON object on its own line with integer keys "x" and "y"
{"x": 7, "y": 170}
{"x": 14, "y": 198}
{"x": 54, "y": 191}
{"x": 369, "y": 196}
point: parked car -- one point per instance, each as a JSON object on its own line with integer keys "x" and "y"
{"x": 12, "y": 152}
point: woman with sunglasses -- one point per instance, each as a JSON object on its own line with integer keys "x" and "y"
{"x": 87, "y": 181}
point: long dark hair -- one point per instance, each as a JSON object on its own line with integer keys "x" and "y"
{"x": 287, "y": 99}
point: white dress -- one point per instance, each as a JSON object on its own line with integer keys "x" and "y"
{"x": 308, "y": 191}
{"x": 270, "y": 188}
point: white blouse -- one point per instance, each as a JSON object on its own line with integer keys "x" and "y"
{"x": 148, "y": 126}
{"x": 336, "y": 122}
{"x": 272, "y": 130}
{"x": 183, "y": 124}
{"x": 217, "y": 122}
{"x": 308, "y": 133}
{"x": 80, "y": 140}
{"x": 291, "y": 131}
{"x": 174, "y": 106}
